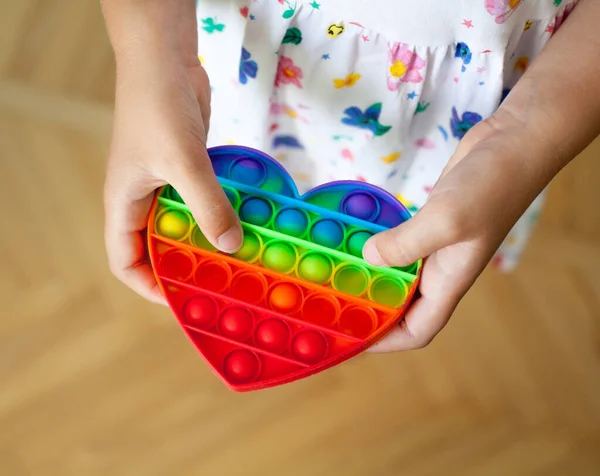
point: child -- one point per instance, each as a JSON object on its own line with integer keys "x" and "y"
{"x": 411, "y": 95}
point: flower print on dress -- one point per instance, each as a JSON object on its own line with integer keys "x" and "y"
{"x": 464, "y": 52}
{"x": 521, "y": 64}
{"x": 460, "y": 126}
{"x": 348, "y": 81}
{"x": 403, "y": 66}
{"x": 368, "y": 120}
{"x": 501, "y": 9}
{"x": 288, "y": 72}
{"x": 210, "y": 25}
{"x": 291, "y": 9}
{"x": 559, "y": 20}
{"x": 248, "y": 67}
{"x": 277, "y": 109}
{"x": 391, "y": 158}
{"x": 287, "y": 141}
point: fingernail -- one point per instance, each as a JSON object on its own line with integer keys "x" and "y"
{"x": 371, "y": 254}
{"x": 230, "y": 241}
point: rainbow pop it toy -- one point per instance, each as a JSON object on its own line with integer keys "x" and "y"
{"x": 298, "y": 297}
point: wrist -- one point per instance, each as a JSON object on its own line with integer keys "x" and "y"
{"x": 157, "y": 29}
{"x": 520, "y": 143}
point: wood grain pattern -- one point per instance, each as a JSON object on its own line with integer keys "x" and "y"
{"x": 94, "y": 381}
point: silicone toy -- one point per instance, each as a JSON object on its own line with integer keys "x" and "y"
{"x": 298, "y": 297}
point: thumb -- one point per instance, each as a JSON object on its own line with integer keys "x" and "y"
{"x": 196, "y": 183}
{"x": 431, "y": 229}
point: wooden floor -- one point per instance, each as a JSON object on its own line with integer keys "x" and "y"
{"x": 94, "y": 381}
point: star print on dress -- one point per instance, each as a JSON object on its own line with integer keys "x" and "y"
{"x": 368, "y": 120}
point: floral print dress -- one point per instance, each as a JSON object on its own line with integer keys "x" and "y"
{"x": 374, "y": 90}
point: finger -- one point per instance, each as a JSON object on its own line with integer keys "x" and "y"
{"x": 431, "y": 229}
{"x": 441, "y": 291}
{"x": 141, "y": 279}
{"x": 199, "y": 188}
{"x": 424, "y": 320}
{"x": 125, "y": 238}
{"x": 446, "y": 277}
{"x": 201, "y": 84}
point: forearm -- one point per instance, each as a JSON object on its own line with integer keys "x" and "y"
{"x": 164, "y": 27}
{"x": 556, "y": 104}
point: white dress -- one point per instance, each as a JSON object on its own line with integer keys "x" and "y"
{"x": 373, "y": 90}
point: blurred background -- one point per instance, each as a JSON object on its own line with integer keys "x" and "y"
{"x": 95, "y": 381}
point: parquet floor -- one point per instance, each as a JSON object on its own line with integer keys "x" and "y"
{"x": 94, "y": 381}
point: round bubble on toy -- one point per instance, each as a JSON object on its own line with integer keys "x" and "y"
{"x": 173, "y": 194}
{"x": 279, "y": 256}
{"x": 285, "y": 298}
{"x": 248, "y": 171}
{"x": 315, "y": 267}
{"x": 357, "y": 322}
{"x": 309, "y": 346}
{"x": 213, "y": 276}
{"x": 274, "y": 184}
{"x": 173, "y": 224}
{"x": 232, "y": 196}
{"x": 351, "y": 279}
{"x": 248, "y": 287}
{"x": 328, "y": 233}
{"x": 201, "y": 311}
{"x": 292, "y": 222}
{"x": 320, "y": 310}
{"x": 250, "y": 249}
{"x": 273, "y": 335}
{"x": 388, "y": 291}
{"x": 356, "y": 242}
{"x": 256, "y": 211}
{"x": 177, "y": 264}
{"x": 241, "y": 366}
{"x": 362, "y": 205}
{"x": 236, "y": 323}
{"x": 199, "y": 240}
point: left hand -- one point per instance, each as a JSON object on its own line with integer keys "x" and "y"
{"x": 485, "y": 188}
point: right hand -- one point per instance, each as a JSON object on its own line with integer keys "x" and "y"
{"x": 162, "y": 111}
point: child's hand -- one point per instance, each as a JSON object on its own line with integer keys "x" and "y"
{"x": 161, "y": 121}
{"x": 482, "y": 192}
{"x": 499, "y": 168}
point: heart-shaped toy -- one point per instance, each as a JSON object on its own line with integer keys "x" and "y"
{"x": 298, "y": 297}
